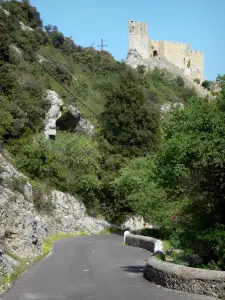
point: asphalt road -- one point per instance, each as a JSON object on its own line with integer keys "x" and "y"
{"x": 91, "y": 267}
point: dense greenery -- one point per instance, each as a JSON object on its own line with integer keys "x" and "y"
{"x": 130, "y": 123}
{"x": 164, "y": 164}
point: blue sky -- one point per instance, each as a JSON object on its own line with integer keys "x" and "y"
{"x": 201, "y": 23}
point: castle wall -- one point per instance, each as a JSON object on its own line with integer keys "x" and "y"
{"x": 190, "y": 63}
{"x": 177, "y": 53}
{"x": 158, "y": 46}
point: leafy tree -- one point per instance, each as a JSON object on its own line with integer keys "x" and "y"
{"x": 191, "y": 170}
{"x": 139, "y": 194}
{"x": 130, "y": 125}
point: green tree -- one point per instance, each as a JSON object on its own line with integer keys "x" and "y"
{"x": 130, "y": 125}
{"x": 139, "y": 193}
{"x": 191, "y": 168}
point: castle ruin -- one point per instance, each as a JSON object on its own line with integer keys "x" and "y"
{"x": 177, "y": 57}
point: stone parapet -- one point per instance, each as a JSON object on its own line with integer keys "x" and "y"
{"x": 144, "y": 242}
{"x": 186, "y": 279}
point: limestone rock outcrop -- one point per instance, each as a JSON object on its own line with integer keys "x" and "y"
{"x": 24, "y": 27}
{"x": 23, "y": 227}
{"x": 53, "y": 114}
{"x": 6, "y": 12}
{"x": 64, "y": 117}
{"x": 133, "y": 223}
{"x": 71, "y": 120}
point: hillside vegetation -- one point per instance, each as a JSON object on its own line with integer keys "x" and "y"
{"x": 158, "y": 149}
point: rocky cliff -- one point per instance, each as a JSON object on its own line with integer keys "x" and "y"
{"x": 23, "y": 227}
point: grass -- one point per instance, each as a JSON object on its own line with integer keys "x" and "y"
{"x": 166, "y": 245}
{"x": 25, "y": 263}
{"x": 110, "y": 230}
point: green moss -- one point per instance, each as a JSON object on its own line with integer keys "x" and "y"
{"x": 110, "y": 230}
{"x": 189, "y": 64}
{"x": 166, "y": 245}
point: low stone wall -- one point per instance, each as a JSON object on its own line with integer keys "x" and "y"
{"x": 141, "y": 241}
{"x": 186, "y": 279}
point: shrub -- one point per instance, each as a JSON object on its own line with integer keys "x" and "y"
{"x": 206, "y": 84}
{"x": 69, "y": 163}
{"x": 197, "y": 80}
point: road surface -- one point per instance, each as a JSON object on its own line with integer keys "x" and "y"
{"x": 91, "y": 268}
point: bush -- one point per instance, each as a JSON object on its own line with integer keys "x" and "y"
{"x": 197, "y": 80}
{"x": 137, "y": 191}
{"x": 70, "y": 163}
{"x": 206, "y": 84}
{"x": 180, "y": 81}
{"x": 190, "y": 169}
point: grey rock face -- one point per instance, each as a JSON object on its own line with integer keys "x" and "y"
{"x": 134, "y": 59}
{"x": 6, "y": 12}
{"x": 6, "y": 264}
{"x": 171, "y": 106}
{"x": 24, "y": 27}
{"x": 23, "y": 227}
{"x": 53, "y": 114}
{"x": 133, "y": 223}
{"x": 72, "y": 120}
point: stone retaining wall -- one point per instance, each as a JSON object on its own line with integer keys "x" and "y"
{"x": 186, "y": 279}
{"x": 141, "y": 241}
{"x": 177, "y": 277}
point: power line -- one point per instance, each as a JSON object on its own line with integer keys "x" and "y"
{"x": 22, "y": 47}
{"x": 102, "y": 45}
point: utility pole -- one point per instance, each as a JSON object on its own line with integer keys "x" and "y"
{"x": 102, "y": 45}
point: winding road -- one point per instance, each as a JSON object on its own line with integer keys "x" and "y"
{"x": 91, "y": 268}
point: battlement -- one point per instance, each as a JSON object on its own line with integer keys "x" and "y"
{"x": 138, "y": 26}
{"x": 176, "y": 43}
{"x": 197, "y": 52}
{"x": 177, "y": 53}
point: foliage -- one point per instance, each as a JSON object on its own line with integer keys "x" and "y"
{"x": 136, "y": 191}
{"x": 206, "y": 84}
{"x": 197, "y": 80}
{"x": 129, "y": 125}
{"x": 191, "y": 171}
{"x": 189, "y": 64}
{"x": 70, "y": 163}
{"x": 42, "y": 198}
{"x": 180, "y": 81}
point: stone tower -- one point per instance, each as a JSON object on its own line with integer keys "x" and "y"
{"x": 138, "y": 38}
